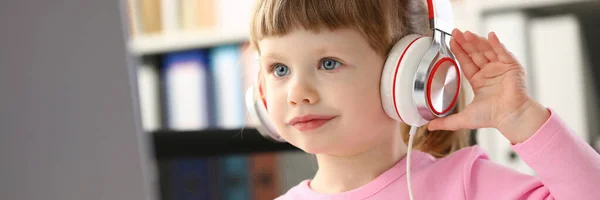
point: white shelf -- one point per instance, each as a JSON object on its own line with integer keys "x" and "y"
{"x": 162, "y": 43}
{"x": 495, "y": 5}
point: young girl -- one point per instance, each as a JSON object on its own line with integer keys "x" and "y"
{"x": 324, "y": 58}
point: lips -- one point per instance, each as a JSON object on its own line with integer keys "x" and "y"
{"x": 310, "y": 122}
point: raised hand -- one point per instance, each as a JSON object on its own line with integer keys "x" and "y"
{"x": 501, "y": 98}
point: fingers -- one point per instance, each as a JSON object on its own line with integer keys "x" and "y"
{"x": 468, "y": 41}
{"x": 484, "y": 46}
{"x": 503, "y": 54}
{"x": 467, "y": 65}
{"x": 450, "y": 123}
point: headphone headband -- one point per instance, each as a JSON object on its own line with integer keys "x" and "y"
{"x": 440, "y": 15}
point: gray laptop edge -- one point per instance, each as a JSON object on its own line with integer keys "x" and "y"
{"x": 69, "y": 120}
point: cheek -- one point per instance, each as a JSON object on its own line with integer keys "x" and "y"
{"x": 276, "y": 102}
{"x": 362, "y": 97}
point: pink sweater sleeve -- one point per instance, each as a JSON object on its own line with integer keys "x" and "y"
{"x": 566, "y": 167}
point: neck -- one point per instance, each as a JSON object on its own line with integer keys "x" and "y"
{"x": 343, "y": 173}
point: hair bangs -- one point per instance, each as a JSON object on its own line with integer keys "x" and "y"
{"x": 279, "y": 17}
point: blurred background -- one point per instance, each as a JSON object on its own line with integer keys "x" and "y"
{"x": 107, "y": 100}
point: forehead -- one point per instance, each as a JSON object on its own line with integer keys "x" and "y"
{"x": 344, "y": 41}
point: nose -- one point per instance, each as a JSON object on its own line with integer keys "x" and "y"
{"x": 302, "y": 91}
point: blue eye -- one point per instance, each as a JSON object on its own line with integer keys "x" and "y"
{"x": 330, "y": 64}
{"x": 281, "y": 70}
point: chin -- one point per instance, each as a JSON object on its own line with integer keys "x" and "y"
{"x": 331, "y": 149}
{"x": 333, "y": 146}
{"x": 312, "y": 147}
{"x": 312, "y": 144}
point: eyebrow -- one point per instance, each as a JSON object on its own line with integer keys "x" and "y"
{"x": 335, "y": 53}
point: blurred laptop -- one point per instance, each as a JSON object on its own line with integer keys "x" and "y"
{"x": 69, "y": 125}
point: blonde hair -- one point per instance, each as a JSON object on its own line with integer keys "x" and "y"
{"x": 381, "y": 22}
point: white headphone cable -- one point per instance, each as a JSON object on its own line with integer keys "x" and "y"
{"x": 413, "y": 130}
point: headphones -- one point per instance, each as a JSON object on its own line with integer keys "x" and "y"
{"x": 420, "y": 79}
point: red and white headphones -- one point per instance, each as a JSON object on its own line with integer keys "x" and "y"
{"x": 420, "y": 79}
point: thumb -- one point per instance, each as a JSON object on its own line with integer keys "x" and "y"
{"x": 451, "y": 122}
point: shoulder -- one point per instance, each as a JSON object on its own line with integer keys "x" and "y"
{"x": 464, "y": 163}
{"x": 464, "y": 157}
{"x": 473, "y": 163}
{"x": 472, "y": 159}
{"x": 468, "y": 153}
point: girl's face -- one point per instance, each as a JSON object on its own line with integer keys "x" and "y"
{"x": 333, "y": 76}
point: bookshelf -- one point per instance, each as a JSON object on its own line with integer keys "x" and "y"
{"x": 161, "y": 28}
{"x": 213, "y": 142}
{"x": 185, "y": 40}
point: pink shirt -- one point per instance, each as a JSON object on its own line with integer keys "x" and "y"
{"x": 566, "y": 167}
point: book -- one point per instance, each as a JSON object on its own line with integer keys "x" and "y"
{"x": 197, "y": 15}
{"x": 148, "y": 89}
{"x": 187, "y": 84}
{"x": 150, "y": 18}
{"x": 227, "y": 75}
{"x": 265, "y": 181}
{"x": 234, "y": 180}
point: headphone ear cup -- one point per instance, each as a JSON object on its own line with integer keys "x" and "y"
{"x": 258, "y": 113}
{"x": 397, "y": 79}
